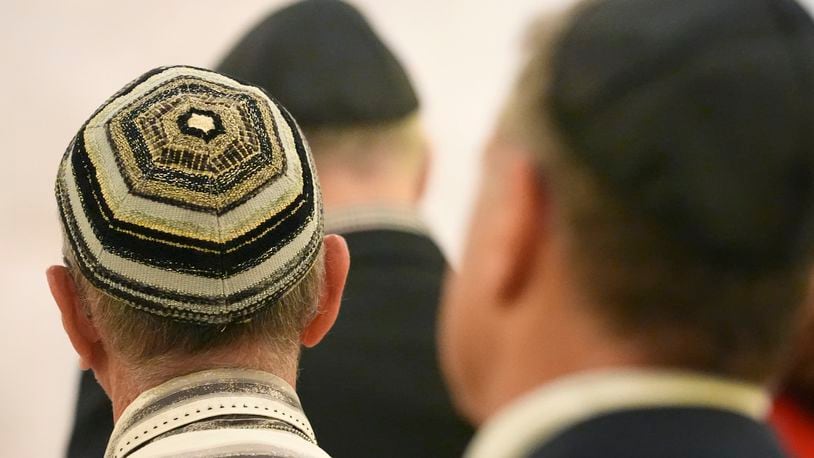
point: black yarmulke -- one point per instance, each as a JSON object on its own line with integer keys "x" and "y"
{"x": 325, "y": 63}
{"x": 700, "y": 114}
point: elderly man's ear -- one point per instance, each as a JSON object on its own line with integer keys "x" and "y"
{"x": 337, "y": 263}
{"x": 79, "y": 326}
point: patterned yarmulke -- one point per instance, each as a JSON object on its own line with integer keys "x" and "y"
{"x": 191, "y": 196}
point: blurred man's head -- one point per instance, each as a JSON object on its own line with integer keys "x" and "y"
{"x": 193, "y": 234}
{"x": 348, "y": 92}
{"x": 647, "y": 199}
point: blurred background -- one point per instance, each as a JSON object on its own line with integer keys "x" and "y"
{"x": 62, "y": 59}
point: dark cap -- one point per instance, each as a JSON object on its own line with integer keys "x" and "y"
{"x": 325, "y": 63}
{"x": 700, "y": 115}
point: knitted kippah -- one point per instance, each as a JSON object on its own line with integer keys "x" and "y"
{"x": 338, "y": 71}
{"x": 191, "y": 196}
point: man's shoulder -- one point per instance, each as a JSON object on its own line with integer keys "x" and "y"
{"x": 668, "y": 432}
{"x": 395, "y": 277}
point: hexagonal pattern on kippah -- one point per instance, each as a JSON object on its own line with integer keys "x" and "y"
{"x": 191, "y": 196}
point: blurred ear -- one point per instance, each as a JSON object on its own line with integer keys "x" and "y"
{"x": 79, "y": 327}
{"x": 337, "y": 263}
{"x": 423, "y": 177}
{"x": 520, "y": 225}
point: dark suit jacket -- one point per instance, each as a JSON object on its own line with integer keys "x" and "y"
{"x": 93, "y": 423}
{"x": 664, "y": 433}
{"x": 372, "y": 388}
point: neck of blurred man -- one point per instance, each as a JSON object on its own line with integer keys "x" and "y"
{"x": 518, "y": 315}
{"x": 797, "y": 382}
{"x": 538, "y": 344}
{"x": 124, "y": 382}
{"x": 344, "y": 187}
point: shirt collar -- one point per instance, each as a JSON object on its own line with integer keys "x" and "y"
{"x": 541, "y": 414}
{"x": 374, "y": 217}
{"x": 203, "y": 395}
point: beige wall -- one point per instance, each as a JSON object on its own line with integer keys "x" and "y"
{"x": 61, "y": 59}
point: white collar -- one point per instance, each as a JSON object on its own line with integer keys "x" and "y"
{"x": 360, "y": 218}
{"x": 550, "y": 409}
{"x": 203, "y": 395}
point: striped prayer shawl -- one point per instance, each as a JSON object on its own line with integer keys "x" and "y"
{"x": 216, "y": 413}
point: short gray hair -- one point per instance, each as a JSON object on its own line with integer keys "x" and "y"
{"x": 275, "y": 327}
{"x": 362, "y": 145}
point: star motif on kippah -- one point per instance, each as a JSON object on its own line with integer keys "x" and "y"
{"x": 203, "y": 124}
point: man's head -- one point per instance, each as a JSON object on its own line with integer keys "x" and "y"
{"x": 648, "y": 199}
{"x": 193, "y": 233}
{"x": 348, "y": 92}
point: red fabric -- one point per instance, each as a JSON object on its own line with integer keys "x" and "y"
{"x": 794, "y": 425}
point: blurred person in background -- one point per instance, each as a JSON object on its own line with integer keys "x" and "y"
{"x": 197, "y": 266}
{"x": 360, "y": 114}
{"x": 642, "y": 241}
{"x": 792, "y": 412}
